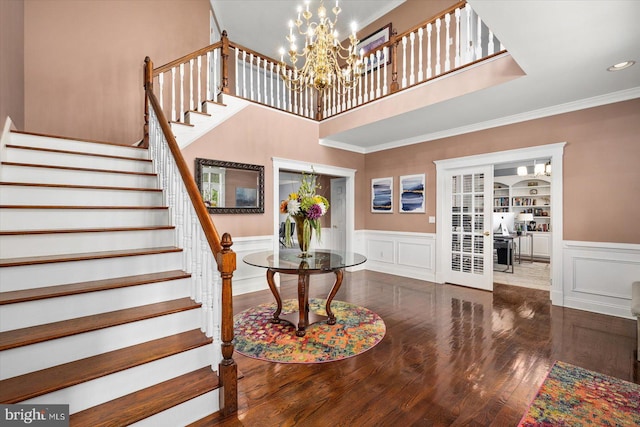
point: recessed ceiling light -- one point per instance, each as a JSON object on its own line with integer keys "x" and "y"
{"x": 621, "y": 65}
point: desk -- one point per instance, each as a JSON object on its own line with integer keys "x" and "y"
{"x": 509, "y": 240}
{"x": 288, "y": 262}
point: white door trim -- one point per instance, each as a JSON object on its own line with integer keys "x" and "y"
{"x": 298, "y": 166}
{"x": 553, "y": 151}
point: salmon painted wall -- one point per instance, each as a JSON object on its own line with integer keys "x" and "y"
{"x": 12, "y": 62}
{"x": 84, "y": 61}
{"x": 601, "y": 173}
{"x": 256, "y": 135}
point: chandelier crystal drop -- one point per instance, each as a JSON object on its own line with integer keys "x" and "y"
{"x": 327, "y": 63}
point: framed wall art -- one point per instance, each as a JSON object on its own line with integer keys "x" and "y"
{"x": 373, "y": 41}
{"x": 382, "y": 195}
{"x": 412, "y": 193}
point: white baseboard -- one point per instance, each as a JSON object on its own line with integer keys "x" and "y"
{"x": 597, "y": 276}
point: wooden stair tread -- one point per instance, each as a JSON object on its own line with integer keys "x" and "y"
{"x": 13, "y": 262}
{"x": 74, "y": 168}
{"x": 27, "y": 386}
{"x": 71, "y": 152}
{"x": 85, "y": 230}
{"x": 79, "y": 325}
{"x": 142, "y": 404}
{"x": 34, "y": 294}
{"x": 90, "y": 141}
{"x": 75, "y": 186}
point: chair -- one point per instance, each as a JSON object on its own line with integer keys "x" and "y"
{"x": 282, "y": 233}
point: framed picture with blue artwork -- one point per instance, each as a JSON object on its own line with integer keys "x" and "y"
{"x": 411, "y": 192}
{"x": 372, "y": 42}
{"x": 382, "y": 195}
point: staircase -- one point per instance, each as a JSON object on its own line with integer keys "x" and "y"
{"x": 95, "y": 307}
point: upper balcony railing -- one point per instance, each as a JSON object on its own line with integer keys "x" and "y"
{"x": 449, "y": 41}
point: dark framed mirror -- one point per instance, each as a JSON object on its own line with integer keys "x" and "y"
{"x": 229, "y": 187}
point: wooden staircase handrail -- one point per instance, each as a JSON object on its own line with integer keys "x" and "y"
{"x": 169, "y": 65}
{"x": 224, "y": 255}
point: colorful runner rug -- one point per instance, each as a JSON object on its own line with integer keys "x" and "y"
{"x": 357, "y": 330}
{"x": 574, "y": 396}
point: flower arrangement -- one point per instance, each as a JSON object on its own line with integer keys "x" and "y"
{"x": 306, "y": 208}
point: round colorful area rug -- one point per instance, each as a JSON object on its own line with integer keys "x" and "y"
{"x": 357, "y": 330}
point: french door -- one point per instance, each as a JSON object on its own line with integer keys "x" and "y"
{"x": 469, "y": 249}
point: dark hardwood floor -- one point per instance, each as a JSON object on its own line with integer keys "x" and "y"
{"x": 452, "y": 356}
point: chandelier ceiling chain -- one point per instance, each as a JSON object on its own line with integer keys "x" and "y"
{"x": 327, "y": 62}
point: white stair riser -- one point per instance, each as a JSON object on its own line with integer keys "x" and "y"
{"x": 213, "y": 108}
{"x": 18, "y": 155}
{"x": 17, "y": 246}
{"x": 12, "y": 173}
{"x": 60, "y": 273}
{"x": 22, "y": 360}
{"x": 31, "y": 313}
{"x": 104, "y": 389}
{"x": 61, "y": 219}
{"x": 196, "y": 118}
{"x": 72, "y": 145}
{"x": 61, "y": 196}
{"x": 185, "y": 413}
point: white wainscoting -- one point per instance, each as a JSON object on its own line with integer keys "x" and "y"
{"x": 400, "y": 253}
{"x": 597, "y": 276}
{"x": 247, "y": 278}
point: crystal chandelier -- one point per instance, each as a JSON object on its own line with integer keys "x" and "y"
{"x": 327, "y": 63}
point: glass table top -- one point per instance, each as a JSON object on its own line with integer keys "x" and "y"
{"x": 320, "y": 260}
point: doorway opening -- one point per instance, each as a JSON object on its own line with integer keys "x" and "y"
{"x": 444, "y": 234}
{"x": 338, "y": 187}
{"x": 522, "y": 195}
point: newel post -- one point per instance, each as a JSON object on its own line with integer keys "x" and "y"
{"x": 225, "y": 62}
{"x": 148, "y": 84}
{"x": 227, "y": 369}
{"x": 395, "y": 86}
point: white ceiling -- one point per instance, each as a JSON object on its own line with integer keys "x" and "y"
{"x": 563, "y": 46}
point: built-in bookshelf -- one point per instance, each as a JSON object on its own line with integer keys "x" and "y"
{"x": 501, "y": 197}
{"x": 529, "y": 195}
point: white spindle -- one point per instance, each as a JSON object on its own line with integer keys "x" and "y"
{"x": 429, "y": 30}
{"x": 438, "y": 24}
{"x": 216, "y": 87}
{"x": 404, "y": 62}
{"x": 447, "y": 54}
{"x": 457, "y": 40}
{"x": 479, "y": 39}
{"x": 365, "y": 61}
{"x": 265, "y": 96}
{"x": 384, "y": 85}
{"x": 160, "y": 88}
{"x": 182, "y": 93}
{"x": 468, "y": 53}
{"x": 236, "y": 73}
{"x": 334, "y": 106}
{"x": 244, "y": 74}
{"x": 251, "y": 77}
{"x": 272, "y": 78}
{"x": 360, "y": 83}
{"x": 371, "y": 72}
{"x": 190, "y": 85}
{"x": 278, "y": 85}
{"x": 207, "y": 87}
{"x": 420, "y": 73}
{"x": 490, "y": 47}
{"x": 173, "y": 95}
{"x": 412, "y": 74}
{"x": 199, "y": 100}
{"x": 378, "y": 72}
{"x": 258, "y": 89}
{"x": 290, "y": 94}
